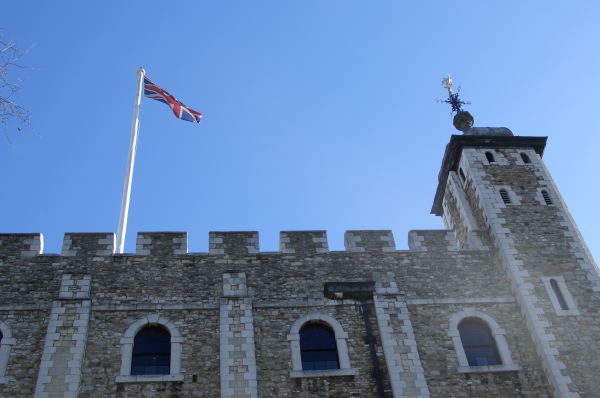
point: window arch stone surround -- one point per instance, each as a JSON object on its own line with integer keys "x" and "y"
{"x": 497, "y": 332}
{"x": 341, "y": 338}
{"x": 5, "y": 345}
{"x": 127, "y": 351}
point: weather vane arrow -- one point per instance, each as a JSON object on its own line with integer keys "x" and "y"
{"x": 463, "y": 120}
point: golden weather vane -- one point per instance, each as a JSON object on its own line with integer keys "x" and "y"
{"x": 463, "y": 120}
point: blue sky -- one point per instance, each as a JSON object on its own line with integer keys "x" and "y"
{"x": 318, "y": 114}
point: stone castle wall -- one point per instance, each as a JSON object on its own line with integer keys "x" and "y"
{"x": 68, "y": 321}
{"x": 431, "y": 281}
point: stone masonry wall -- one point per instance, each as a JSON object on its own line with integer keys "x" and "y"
{"x": 431, "y": 284}
{"x": 536, "y": 241}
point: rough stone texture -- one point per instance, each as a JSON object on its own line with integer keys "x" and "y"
{"x": 535, "y": 241}
{"x": 303, "y": 242}
{"x": 360, "y": 241}
{"x": 398, "y": 339}
{"x": 88, "y": 244}
{"x": 234, "y": 307}
{"x": 21, "y": 245}
{"x": 161, "y": 243}
{"x": 233, "y": 243}
{"x": 237, "y": 350}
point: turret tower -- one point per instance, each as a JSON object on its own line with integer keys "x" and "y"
{"x": 495, "y": 191}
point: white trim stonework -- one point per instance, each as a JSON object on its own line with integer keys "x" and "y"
{"x": 237, "y": 350}
{"x": 514, "y": 198}
{"x": 498, "y": 334}
{"x": 7, "y": 342}
{"x": 402, "y": 360}
{"x": 490, "y": 203}
{"x": 127, "y": 341}
{"x": 566, "y": 295}
{"x": 576, "y": 242}
{"x": 59, "y": 373}
{"x": 341, "y": 345}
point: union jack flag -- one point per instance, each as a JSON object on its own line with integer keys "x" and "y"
{"x": 180, "y": 111}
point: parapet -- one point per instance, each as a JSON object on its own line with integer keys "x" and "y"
{"x": 432, "y": 240}
{"x": 161, "y": 243}
{"x": 239, "y": 243}
{"x": 367, "y": 241}
{"x": 21, "y": 245}
{"x": 94, "y": 244}
{"x": 233, "y": 243}
{"x": 303, "y": 242}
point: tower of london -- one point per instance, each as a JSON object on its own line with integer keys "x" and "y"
{"x": 503, "y": 302}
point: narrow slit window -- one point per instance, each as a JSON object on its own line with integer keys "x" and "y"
{"x": 462, "y": 175}
{"x": 525, "y": 158}
{"x": 559, "y": 296}
{"x": 547, "y": 199}
{"x": 504, "y": 196}
{"x": 490, "y": 157}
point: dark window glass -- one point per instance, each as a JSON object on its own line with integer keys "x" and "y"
{"x": 478, "y": 342}
{"x": 547, "y": 198}
{"x": 525, "y": 158}
{"x": 462, "y": 174}
{"x": 504, "y": 196}
{"x": 1, "y": 336}
{"x": 318, "y": 348}
{"x": 151, "y": 352}
{"x": 559, "y": 295}
{"x": 490, "y": 157}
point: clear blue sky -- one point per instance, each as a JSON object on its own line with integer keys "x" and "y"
{"x": 318, "y": 114}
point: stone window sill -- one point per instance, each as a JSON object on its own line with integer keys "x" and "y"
{"x": 323, "y": 373}
{"x": 149, "y": 378}
{"x": 488, "y": 369}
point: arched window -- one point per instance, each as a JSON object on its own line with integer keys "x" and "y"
{"x": 478, "y": 343}
{"x": 547, "y": 198}
{"x": 504, "y": 196}
{"x": 490, "y": 157}
{"x": 318, "y": 348}
{"x": 525, "y": 158}
{"x": 151, "y": 352}
{"x": 462, "y": 174}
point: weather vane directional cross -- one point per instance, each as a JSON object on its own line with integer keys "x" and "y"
{"x": 463, "y": 120}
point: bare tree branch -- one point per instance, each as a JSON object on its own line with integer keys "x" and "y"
{"x": 11, "y": 111}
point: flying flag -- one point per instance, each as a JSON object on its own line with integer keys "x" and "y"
{"x": 180, "y": 111}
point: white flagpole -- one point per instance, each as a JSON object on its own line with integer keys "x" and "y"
{"x": 129, "y": 171}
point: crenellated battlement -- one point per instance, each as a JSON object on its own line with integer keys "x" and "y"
{"x": 225, "y": 243}
{"x": 92, "y": 244}
{"x": 161, "y": 243}
{"x": 238, "y": 243}
{"x": 367, "y": 241}
{"x": 303, "y": 242}
{"x": 21, "y": 245}
{"x": 432, "y": 240}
